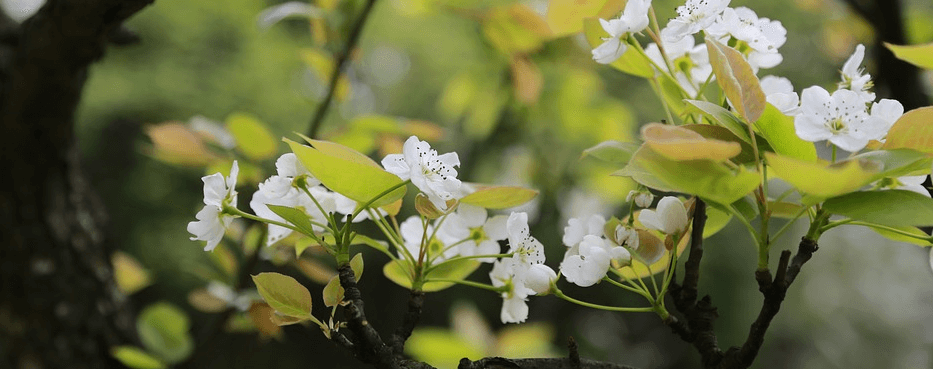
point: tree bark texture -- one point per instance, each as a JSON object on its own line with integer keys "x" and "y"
{"x": 59, "y": 306}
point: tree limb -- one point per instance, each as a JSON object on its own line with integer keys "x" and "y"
{"x": 342, "y": 60}
{"x": 372, "y": 348}
{"x": 412, "y": 315}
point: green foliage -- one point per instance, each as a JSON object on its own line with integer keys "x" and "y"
{"x": 294, "y": 216}
{"x": 499, "y": 197}
{"x": 349, "y": 173}
{"x": 919, "y": 55}
{"x": 737, "y": 80}
{"x": 912, "y": 131}
{"x": 895, "y": 208}
{"x": 707, "y": 179}
{"x": 612, "y": 151}
{"x": 284, "y": 294}
{"x": 401, "y": 272}
{"x": 253, "y": 138}
{"x": 778, "y": 129}
{"x": 721, "y": 116}
{"x": 135, "y": 358}
{"x": 163, "y": 330}
{"x": 823, "y": 179}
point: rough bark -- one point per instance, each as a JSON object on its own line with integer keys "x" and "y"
{"x": 59, "y": 307}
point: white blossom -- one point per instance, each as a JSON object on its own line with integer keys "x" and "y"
{"x": 433, "y": 174}
{"x": 539, "y": 277}
{"x": 212, "y": 221}
{"x": 578, "y": 228}
{"x": 670, "y": 217}
{"x": 908, "y": 183}
{"x": 475, "y": 231}
{"x": 413, "y": 233}
{"x": 692, "y": 17}
{"x": 633, "y": 19}
{"x": 590, "y": 262}
{"x": 853, "y": 77}
{"x": 841, "y": 118}
{"x": 514, "y": 308}
{"x": 691, "y": 61}
{"x": 780, "y": 93}
{"x": 762, "y": 35}
{"x": 526, "y": 249}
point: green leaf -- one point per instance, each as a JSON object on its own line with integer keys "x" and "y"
{"x": 284, "y": 294}
{"x": 333, "y": 292}
{"x": 787, "y": 210}
{"x": 823, "y": 179}
{"x": 704, "y": 178}
{"x": 499, "y": 197}
{"x": 631, "y": 62}
{"x": 673, "y": 94}
{"x": 612, "y": 151}
{"x": 356, "y": 264}
{"x": 897, "y": 162}
{"x": 439, "y": 347}
{"x": 779, "y": 130}
{"x": 163, "y": 330}
{"x": 347, "y": 172}
{"x": 340, "y": 151}
{"x": 913, "y": 130}
{"x": 886, "y": 207}
{"x": 400, "y": 272}
{"x": 721, "y": 116}
{"x": 902, "y": 238}
{"x": 919, "y": 55}
{"x": 294, "y": 216}
{"x": 253, "y": 139}
{"x": 737, "y": 80}
{"x": 716, "y": 220}
{"x": 135, "y": 358}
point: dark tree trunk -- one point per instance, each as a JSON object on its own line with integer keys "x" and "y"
{"x": 59, "y": 307}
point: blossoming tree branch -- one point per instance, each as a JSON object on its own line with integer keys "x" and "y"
{"x": 730, "y": 138}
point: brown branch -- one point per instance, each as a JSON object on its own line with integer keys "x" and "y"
{"x": 342, "y": 60}
{"x": 537, "y": 363}
{"x": 412, "y": 315}
{"x": 774, "y": 292}
{"x": 371, "y": 348}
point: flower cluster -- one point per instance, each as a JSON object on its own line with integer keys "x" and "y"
{"x": 849, "y": 117}
{"x": 524, "y": 273}
{"x": 433, "y": 174}
{"x": 592, "y": 248}
{"x": 212, "y": 219}
{"x": 633, "y": 19}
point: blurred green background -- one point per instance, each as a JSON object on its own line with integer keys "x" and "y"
{"x": 863, "y": 301}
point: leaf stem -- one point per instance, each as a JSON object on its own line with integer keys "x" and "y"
{"x": 560, "y": 294}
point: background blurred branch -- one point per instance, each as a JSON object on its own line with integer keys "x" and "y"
{"x": 342, "y": 60}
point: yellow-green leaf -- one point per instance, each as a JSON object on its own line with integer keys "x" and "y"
{"x": 707, "y": 179}
{"x": 891, "y": 235}
{"x": 678, "y": 144}
{"x": 356, "y": 264}
{"x": 612, "y": 151}
{"x": 163, "y": 330}
{"x": 252, "y": 137}
{"x": 294, "y": 216}
{"x": 284, "y": 294}
{"x": 344, "y": 171}
{"x": 400, "y": 271}
{"x": 499, "y": 197}
{"x": 737, "y": 80}
{"x": 820, "y": 178}
{"x": 779, "y": 130}
{"x": 913, "y": 130}
{"x": 128, "y": 273}
{"x": 333, "y": 292}
{"x": 440, "y": 347}
{"x": 919, "y": 55}
{"x": 897, "y": 162}
{"x": 631, "y": 62}
{"x": 135, "y": 358}
{"x": 566, "y": 17}
{"x": 716, "y": 220}
{"x": 425, "y": 207}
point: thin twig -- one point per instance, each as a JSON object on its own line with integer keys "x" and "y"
{"x": 342, "y": 59}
